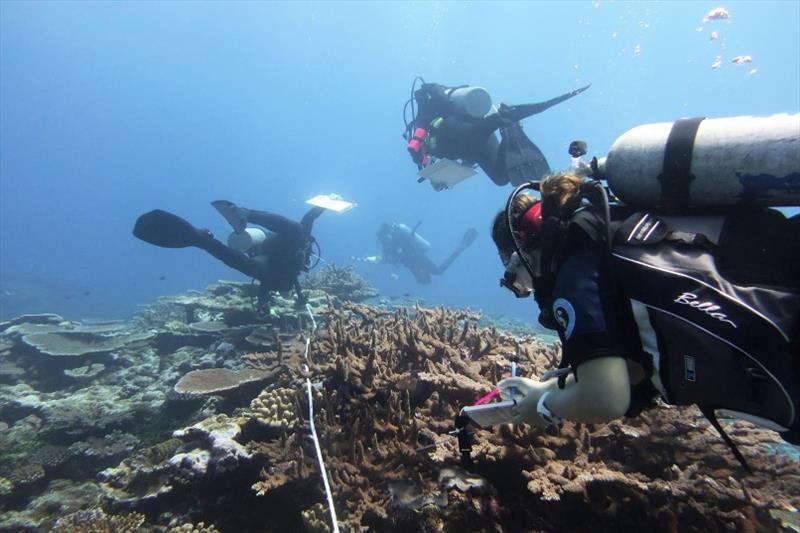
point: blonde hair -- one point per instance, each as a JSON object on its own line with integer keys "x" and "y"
{"x": 521, "y": 204}
{"x": 561, "y": 194}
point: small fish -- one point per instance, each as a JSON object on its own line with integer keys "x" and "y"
{"x": 714, "y": 36}
{"x": 717, "y": 63}
{"x": 752, "y": 71}
{"x": 87, "y": 293}
{"x": 741, "y": 60}
{"x": 162, "y": 278}
{"x": 718, "y": 13}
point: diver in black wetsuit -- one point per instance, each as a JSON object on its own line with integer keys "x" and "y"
{"x": 401, "y": 245}
{"x": 276, "y": 262}
{"x": 443, "y": 129}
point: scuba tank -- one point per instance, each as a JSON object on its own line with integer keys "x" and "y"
{"x": 699, "y": 162}
{"x": 406, "y": 234}
{"x": 471, "y": 101}
{"x": 246, "y": 241}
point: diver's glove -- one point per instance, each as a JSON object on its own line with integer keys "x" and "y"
{"x": 530, "y": 407}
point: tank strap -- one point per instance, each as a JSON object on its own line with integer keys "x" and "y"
{"x": 676, "y": 174}
{"x": 708, "y": 412}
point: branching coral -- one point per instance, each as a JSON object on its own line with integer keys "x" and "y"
{"x": 388, "y": 385}
{"x": 340, "y": 282}
{"x": 97, "y": 521}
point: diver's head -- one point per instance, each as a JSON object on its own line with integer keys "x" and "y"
{"x": 526, "y": 224}
{"x": 384, "y": 232}
{"x": 526, "y": 218}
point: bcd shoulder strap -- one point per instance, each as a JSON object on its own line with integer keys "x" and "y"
{"x": 645, "y": 228}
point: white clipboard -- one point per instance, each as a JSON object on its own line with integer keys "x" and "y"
{"x": 333, "y": 202}
{"x": 491, "y": 414}
{"x": 445, "y": 173}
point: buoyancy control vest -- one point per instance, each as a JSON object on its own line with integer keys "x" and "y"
{"x": 717, "y": 336}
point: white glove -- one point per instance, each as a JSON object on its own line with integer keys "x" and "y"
{"x": 526, "y": 392}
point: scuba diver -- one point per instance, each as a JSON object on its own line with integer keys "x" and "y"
{"x": 646, "y": 320}
{"x": 689, "y": 290}
{"x": 275, "y": 259}
{"x": 452, "y": 123}
{"x": 401, "y": 245}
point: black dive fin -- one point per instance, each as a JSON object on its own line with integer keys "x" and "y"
{"x": 232, "y": 213}
{"x": 521, "y": 159}
{"x": 518, "y": 112}
{"x": 167, "y": 230}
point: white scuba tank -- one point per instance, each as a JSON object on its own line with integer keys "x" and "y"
{"x": 472, "y": 101}
{"x": 420, "y": 244}
{"x": 247, "y": 240}
{"x": 736, "y": 160}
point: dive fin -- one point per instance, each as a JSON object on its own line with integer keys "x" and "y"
{"x": 521, "y": 159}
{"x": 518, "y": 112}
{"x": 232, "y": 213}
{"x": 469, "y": 237}
{"x": 166, "y": 230}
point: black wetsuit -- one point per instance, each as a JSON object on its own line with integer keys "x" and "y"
{"x": 472, "y": 140}
{"x": 281, "y": 257}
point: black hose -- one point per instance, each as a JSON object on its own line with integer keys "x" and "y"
{"x": 410, "y": 101}
{"x": 527, "y": 185}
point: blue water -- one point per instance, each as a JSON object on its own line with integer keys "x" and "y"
{"x": 108, "y": 110}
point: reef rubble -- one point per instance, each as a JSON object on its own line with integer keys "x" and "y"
{"x": 194, "y": 416}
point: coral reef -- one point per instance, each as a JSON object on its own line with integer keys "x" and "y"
{"x": 386, "y": 384}
{"x": 97, "y": 521}
{"x": 340, "y": 282}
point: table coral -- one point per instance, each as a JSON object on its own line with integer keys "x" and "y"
{"x": 217, "y": 380}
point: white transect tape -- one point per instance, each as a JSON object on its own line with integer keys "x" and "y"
{"x": 313, "y": 322}
{"x": 314, "y": 437}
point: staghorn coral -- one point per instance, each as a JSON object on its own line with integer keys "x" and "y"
{"x": 315, "y": 518}
{"x": 97, "y": 521}
{"x": 285, "y": 352}
{"x": 393, "y": 383}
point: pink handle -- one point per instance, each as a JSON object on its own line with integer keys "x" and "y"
{"x": 486, "y": 398}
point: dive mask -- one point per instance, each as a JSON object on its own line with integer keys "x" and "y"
{"x": 516, "y": 278}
